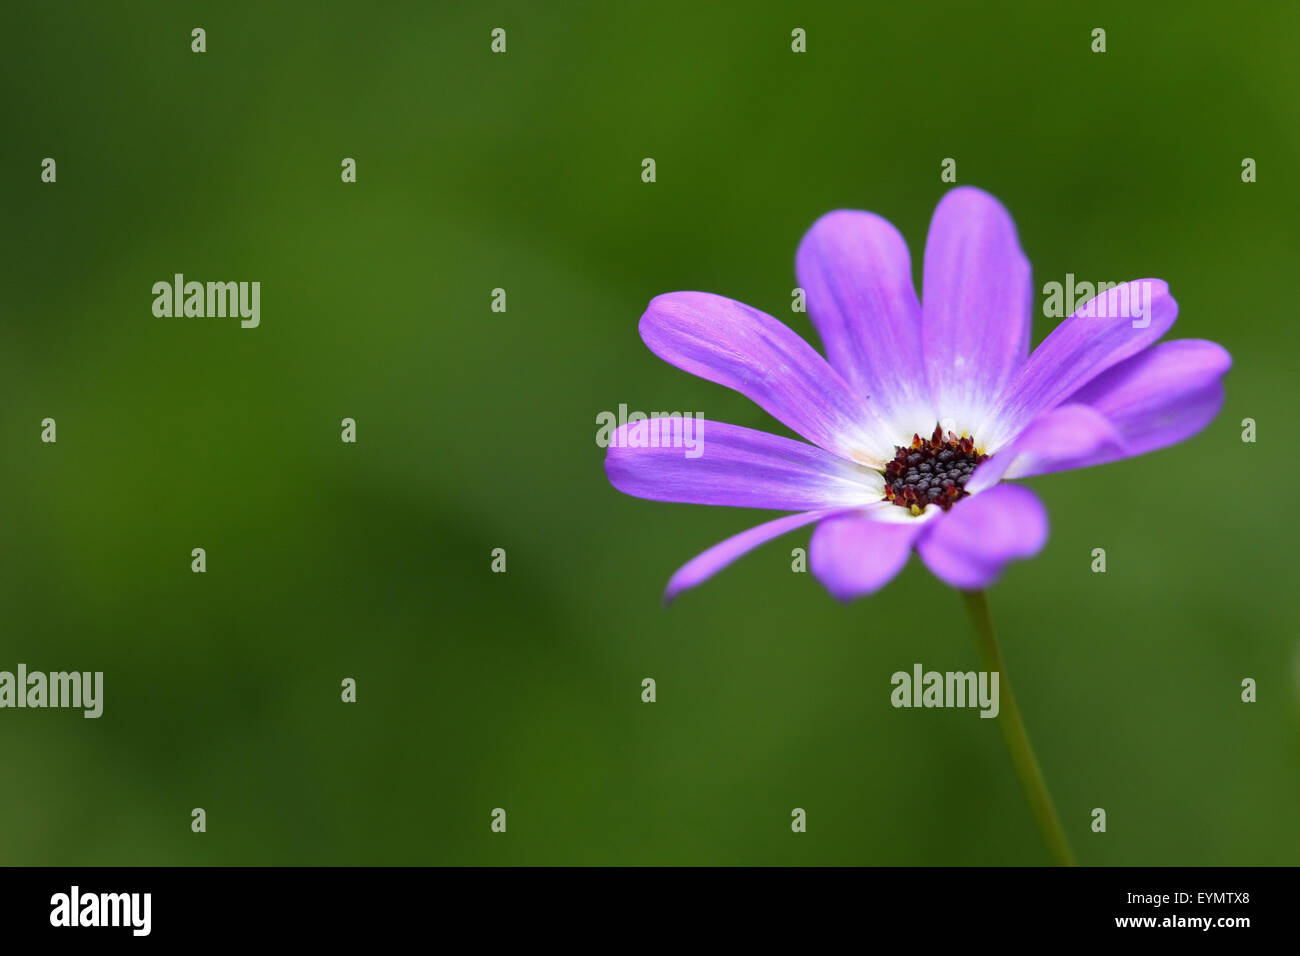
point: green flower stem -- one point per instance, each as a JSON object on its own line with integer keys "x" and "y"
{"x": 1013, "y": 729}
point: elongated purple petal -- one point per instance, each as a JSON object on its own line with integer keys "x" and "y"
{"x": 1052, "y": 442}
{"x": 734, "y": 466}
{"x": 1159, "y": 397}
{"x": 703, "y": 566}
{"x": 852, "y": 555}
{"x": 975, "y": 304}
{"x": 742, "y": 348}
{"x": 855, "y": 270}
{"x": 969, "y": 546}
{"x": 1080, "y": 349}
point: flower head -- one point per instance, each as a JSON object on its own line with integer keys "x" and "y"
{"x": 922, "y": 407}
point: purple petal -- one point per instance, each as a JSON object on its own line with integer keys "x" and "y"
{"x": 968, "y": 547}
{"x": 703, "y": 566}
{"x": 734, "y": 466}
{"x": 975, "y": 302}
{"x": 727, "y": 342}
{"x": 1052, "y": 442}
{"x": 857, "y": 275}
{"x": 854, "y": 555}
{"x": 1158, "y": 397}
{"x": 1077, "y": 351}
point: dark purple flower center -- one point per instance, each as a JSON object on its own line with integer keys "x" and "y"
{"x": 931, "y": 472}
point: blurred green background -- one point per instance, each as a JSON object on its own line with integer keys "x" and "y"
{"x": 476, "y": 431}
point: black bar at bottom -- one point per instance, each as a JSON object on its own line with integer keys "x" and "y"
{"x": 336, "y": 905}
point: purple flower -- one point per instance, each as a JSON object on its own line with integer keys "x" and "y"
{"x": 921, "y": 407}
